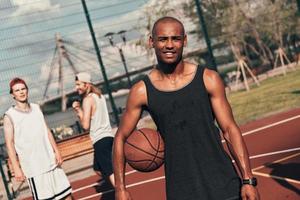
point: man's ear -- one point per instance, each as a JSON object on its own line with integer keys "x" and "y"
{"x": 150, "y": 42}
{"x": 185, "y": 40}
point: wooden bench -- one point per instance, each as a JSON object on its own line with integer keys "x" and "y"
{"x": 69, "y": 149}
{"x": 75, "y": 147}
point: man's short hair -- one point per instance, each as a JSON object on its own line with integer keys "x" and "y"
{"x": 84, "y": 77}
{"x": 166, "y": 19}
{"x": 15, "y": 81}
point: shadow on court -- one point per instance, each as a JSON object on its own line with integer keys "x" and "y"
{"x": 288, "y": 170}
{"x": 105, "y": 186}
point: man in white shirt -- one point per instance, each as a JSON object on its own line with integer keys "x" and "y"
{"x": 93, "y": 116}
{"x": 32, "y": 149}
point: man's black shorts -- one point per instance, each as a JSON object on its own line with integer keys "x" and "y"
{"x": 103, "y": 156}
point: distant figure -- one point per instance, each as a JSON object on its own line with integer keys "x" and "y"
{"x": 184, "y": 100}
{"x": 27, "y": 135}
{"x": 93, "y": 116}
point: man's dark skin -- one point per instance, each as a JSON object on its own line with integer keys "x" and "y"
{"x": 172, "y": 73}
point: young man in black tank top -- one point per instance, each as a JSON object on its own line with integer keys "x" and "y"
{"x": 193, "y": 97}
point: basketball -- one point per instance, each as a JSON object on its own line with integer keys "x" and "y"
{"x": 144, "y": 150}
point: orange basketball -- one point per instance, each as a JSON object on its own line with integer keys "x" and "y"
{"x": 144, "y": 150}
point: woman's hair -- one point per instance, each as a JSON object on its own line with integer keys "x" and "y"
{"x": 94, "y": 89}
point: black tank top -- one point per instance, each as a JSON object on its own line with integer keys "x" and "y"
{"x": 196, "y": 165}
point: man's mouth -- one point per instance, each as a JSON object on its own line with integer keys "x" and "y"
{"x": 169, "y": 54}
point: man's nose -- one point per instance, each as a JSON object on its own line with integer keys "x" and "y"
{"x": 169, "y": 43}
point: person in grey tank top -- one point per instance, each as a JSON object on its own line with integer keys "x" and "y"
{"x": 93, "y": 116}
{"x": 184, "y": 101}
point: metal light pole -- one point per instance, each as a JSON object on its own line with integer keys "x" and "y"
{"x": 208, "y": 43}
{"x": 97, "y": 49}
{"x": 122, "y": 35}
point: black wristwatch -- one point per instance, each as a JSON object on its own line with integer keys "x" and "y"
{"x": 250, "y": 181}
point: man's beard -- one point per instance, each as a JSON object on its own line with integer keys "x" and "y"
{"x": 168, "y": 68}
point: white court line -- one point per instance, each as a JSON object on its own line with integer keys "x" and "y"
{"x": 276, "y": 177}
{"x": 128, "y": 186}
{"x": 278, "y": 161}
{"x": 269, "y": 126}
{"x": 95, "y": 184}
{"x": 275, "y": 152}
{"x": 85, "y": 187}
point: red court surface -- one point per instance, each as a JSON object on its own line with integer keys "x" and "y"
{"x": 274, "y": 149}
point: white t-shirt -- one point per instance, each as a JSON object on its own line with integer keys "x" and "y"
{"x": 100, "y": 124}
{"x": 31, "y": 141}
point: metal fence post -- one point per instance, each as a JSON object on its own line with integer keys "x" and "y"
{"x": 97, "y": 49}
{"x": 207, "y": 39}
{"x": 5, "y": 182}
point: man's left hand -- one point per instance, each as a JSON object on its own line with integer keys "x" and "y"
{"x": 59, "y": 159}
{"x": 249, "y": 192}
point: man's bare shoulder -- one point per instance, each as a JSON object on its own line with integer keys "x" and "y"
{"x": 138, "y": 89}
{"x": 88, "y": 100}
{"x": 212, "y": 80}
{"x": 138, "y": 94}
{"x": 211, "y": 75}
{"x": 7, "y": 120}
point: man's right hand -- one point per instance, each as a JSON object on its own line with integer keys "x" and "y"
{"x": 19, "y": 175}
{"x": 76, "y": 105}
{"x": 122, "y": 195}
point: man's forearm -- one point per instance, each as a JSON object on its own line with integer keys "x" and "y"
{"x": 84, "y": 123}
{"x": 79, "y": 113}
{"x": 13, "y": 156}
{"x": 239, "y": 151}
{"x": 52, "y": 141}
{"x": 119, "y": 162}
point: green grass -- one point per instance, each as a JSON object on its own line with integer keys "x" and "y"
{"x": 274, "y": 95}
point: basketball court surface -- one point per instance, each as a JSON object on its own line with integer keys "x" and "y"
{"x": 274, "y": 149}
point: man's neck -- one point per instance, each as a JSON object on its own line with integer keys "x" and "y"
{"x": 87, "y": 94}
{"x": 24, "y": 106}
